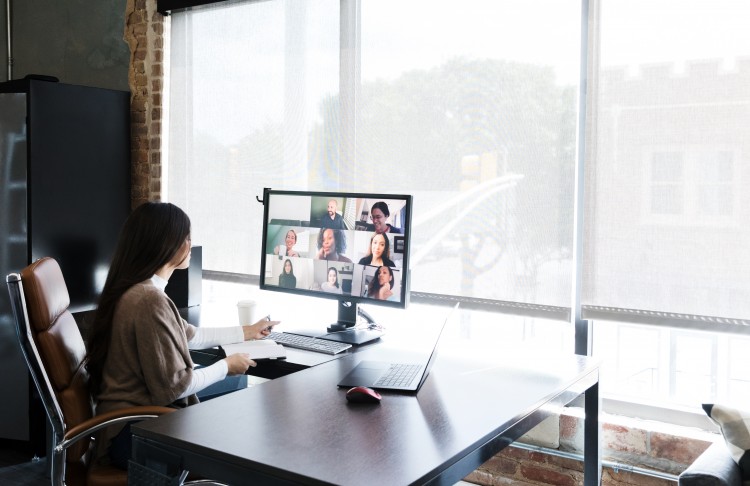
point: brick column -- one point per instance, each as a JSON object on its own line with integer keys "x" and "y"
{"x": 144, "y": 29}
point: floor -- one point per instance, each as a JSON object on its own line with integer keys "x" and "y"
{"x": 18, "y": 467}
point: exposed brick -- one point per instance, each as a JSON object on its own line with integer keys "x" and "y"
{"x": 523, "y": 454}
{"x": 479, "y": 477}
{"x": 502, "y": 465}
{"x": 677, "y": 449}
{"x": 143, "y": 33}
{"x": 137, "y": 117}
{"x": 139, "y": 30}
{"x": 571, "y": 433}
{"x": 140, "y": 143}
{"x": 139, "y": 179}
{"x": 624, "y": 439}
{"x": 565, "y": 463}
{"x": 138, "y": 104}
{"x": 547, "y": 476}
{"x": 626, "y": 478}
{"x": 138, "y": 130}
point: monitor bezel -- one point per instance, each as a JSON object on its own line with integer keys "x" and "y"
{"x": 402, "y": 303}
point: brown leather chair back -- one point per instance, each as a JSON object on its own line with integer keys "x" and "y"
{"x": 59, "y": 344}
{"x": 55, "y": 354}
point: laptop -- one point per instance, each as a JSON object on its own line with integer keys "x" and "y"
{"x": 384, "y": 375}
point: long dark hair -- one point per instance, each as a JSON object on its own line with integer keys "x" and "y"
{"x": 338, "y": 236}
{"x": 151, "y": 237}
{"x": 291, "y": 268}
{"x": 337, "y": 275}
{"x": 374, "y": 287}
{"x": 386, "y": 251}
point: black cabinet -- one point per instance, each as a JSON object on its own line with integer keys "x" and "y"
{"x": 64, "y": 193}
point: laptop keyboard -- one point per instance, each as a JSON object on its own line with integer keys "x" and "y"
{"x": 309, "y": 343}
{"x": 399, "y": 375}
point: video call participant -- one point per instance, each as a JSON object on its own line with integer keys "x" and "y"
{"x": 332, "y": 245}
{"x": 287, "y": 278}
{"x": 332, "y": 219}
{"x": 288, "y": 249}
{"x": 332, "y": 283}
{"x": 379, "y": 252}
{"x": 138, "y": 352}
{"x": 381, "y": 285}
{"x": 380, "y": 214}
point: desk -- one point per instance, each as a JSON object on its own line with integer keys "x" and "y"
{"x": 300, "y": 429}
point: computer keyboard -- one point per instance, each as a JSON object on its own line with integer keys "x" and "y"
{"x": 308, "y": 343}
{"x": 399, "y": 375}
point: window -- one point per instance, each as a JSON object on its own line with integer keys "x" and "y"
{"x": 693, "y": 186}
{"x": 473, "y": 108}
{"x": 471, "y": 116}
{"x": 667, "y": 196}
{"x": 666, "y": 199}
{"x": 672, "y": 367}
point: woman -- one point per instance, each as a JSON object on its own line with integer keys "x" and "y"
{"x": 138, "y": 353}
{"x": 380, "y": 214}
{"x": 289, "y": 241}
{"x": 332, "y": 284}
{"x": 287, "y": 278}
{"x": 332, "y": 245}
{"x": 379, "y": 252}
{"x": 381, "y": 285}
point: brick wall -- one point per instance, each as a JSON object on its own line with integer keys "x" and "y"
{"x": 625, "y": 442}
{"x": 144, "y": 33}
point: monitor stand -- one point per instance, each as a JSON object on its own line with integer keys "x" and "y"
{"x": 344, "y": 330}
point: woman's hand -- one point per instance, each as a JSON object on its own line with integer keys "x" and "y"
{"x": 384, "y": 293}
{"x": 259, "y": 330}
{"x": 238, "y": 363}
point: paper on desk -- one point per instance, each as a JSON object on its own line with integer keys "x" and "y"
{"x": 260, "y": 349}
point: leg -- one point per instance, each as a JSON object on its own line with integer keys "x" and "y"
{"x": 592, "y": 445}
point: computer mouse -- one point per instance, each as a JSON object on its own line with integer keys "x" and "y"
{"x": 362, "y": 394}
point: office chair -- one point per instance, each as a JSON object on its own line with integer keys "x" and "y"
{"x": 55, "y": 354}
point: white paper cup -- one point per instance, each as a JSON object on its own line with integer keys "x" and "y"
{"x": 246, "y": 311}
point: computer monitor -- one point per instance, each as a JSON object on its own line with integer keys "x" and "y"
{"x": 349, "y": 247}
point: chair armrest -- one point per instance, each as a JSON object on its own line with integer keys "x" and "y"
{"x": 715, "y": 467}
{"x": 86, "y": 428}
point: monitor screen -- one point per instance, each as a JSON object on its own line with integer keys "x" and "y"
{"x": 352, "y": 247}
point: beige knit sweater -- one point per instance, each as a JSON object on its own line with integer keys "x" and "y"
{"x": 148, "y": 362}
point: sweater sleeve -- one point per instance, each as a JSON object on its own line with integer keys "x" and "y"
{"x": 204, "y": 377}
{"x": 208, "y": 337}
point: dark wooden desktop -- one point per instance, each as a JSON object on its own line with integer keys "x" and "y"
{"x": 299, "y": 428}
